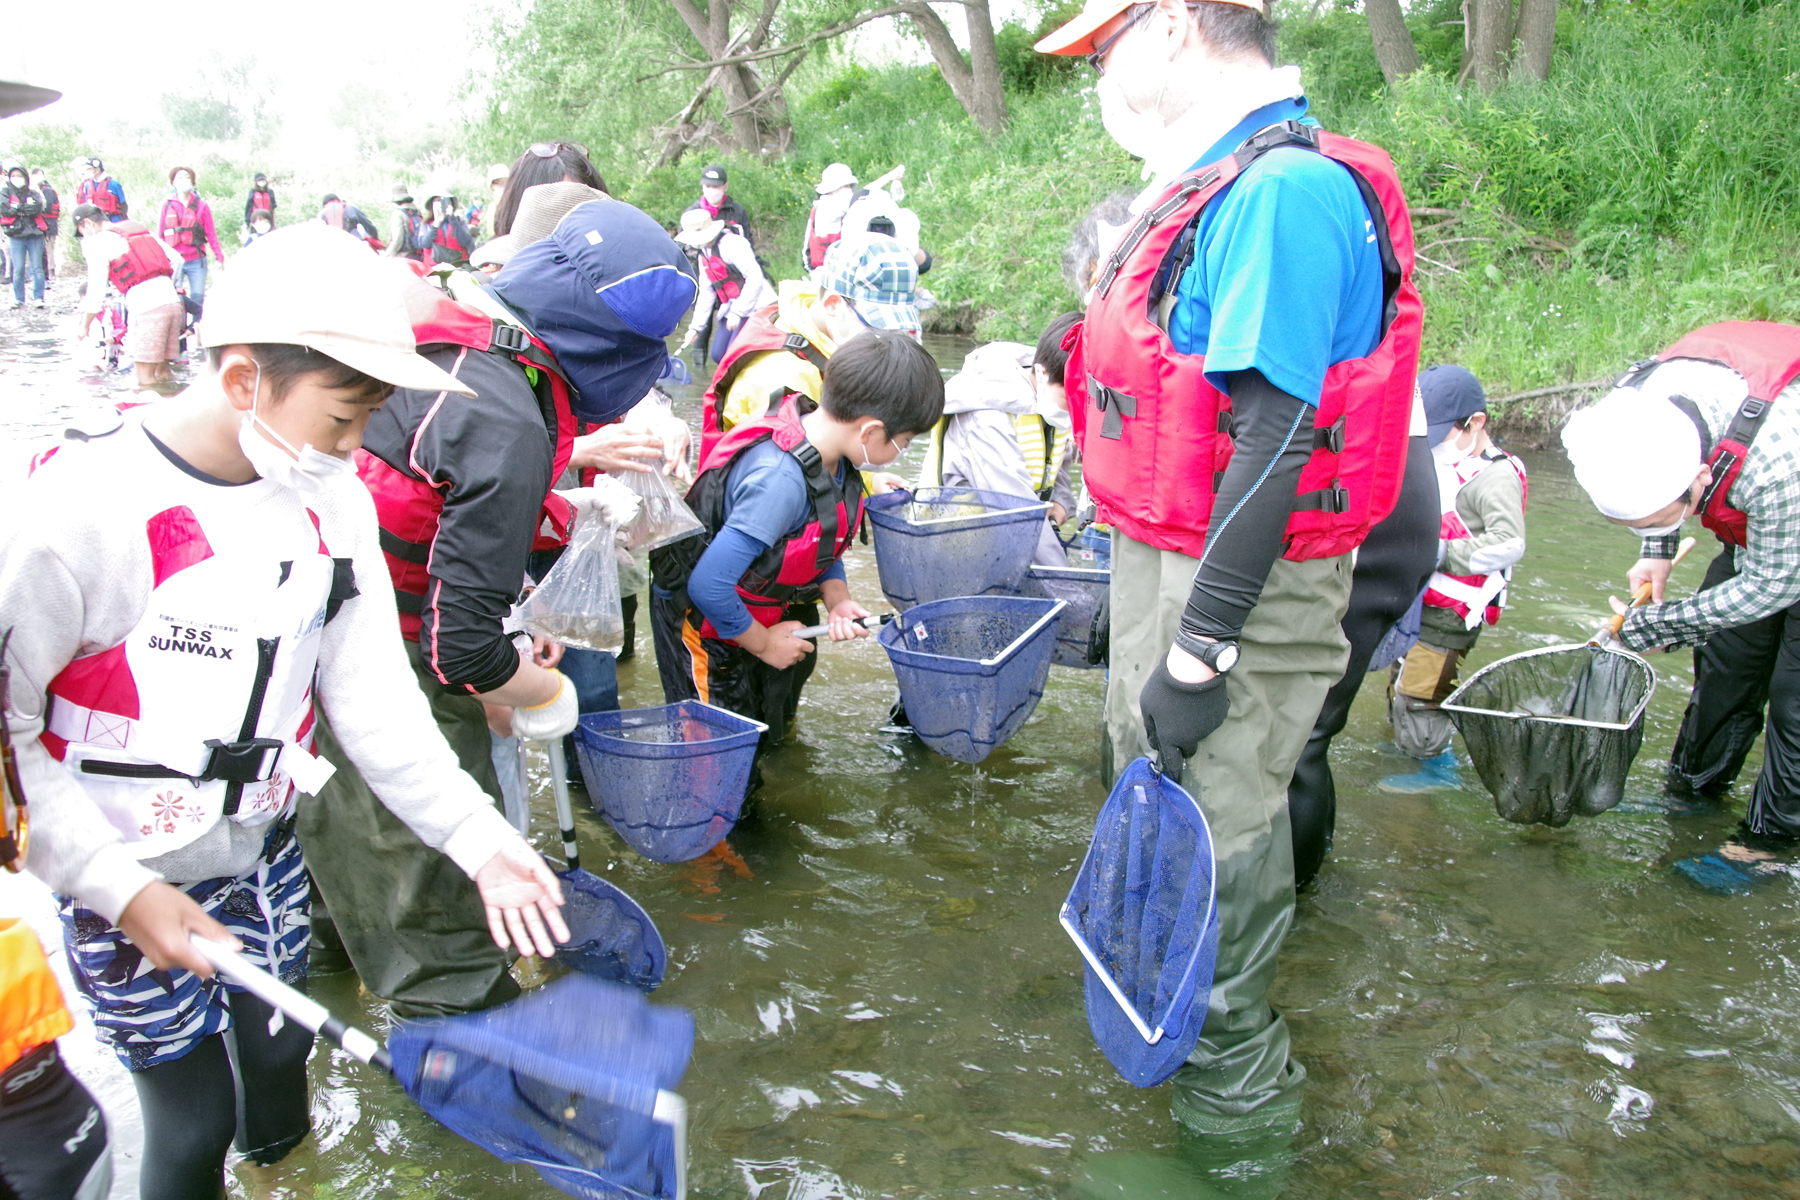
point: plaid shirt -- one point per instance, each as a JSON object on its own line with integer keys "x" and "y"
{"x": 1768, "y": 568}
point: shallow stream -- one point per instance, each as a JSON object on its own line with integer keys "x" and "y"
{"x": 888, "y": 1008}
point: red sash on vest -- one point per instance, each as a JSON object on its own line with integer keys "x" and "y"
{"x": 1158, "y": 453}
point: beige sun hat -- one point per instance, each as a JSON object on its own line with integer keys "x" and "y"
{"x": 698, "y": 229}
{"x": 494, "y": 252}
{"x": 314, "y": 286}
{"x": 542, "y": 207}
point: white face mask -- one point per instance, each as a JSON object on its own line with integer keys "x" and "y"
{"x": 1054, "y": 414}
{"x": 1657, "y": 530}
{"x": 182, "y": 185}
{"x": 865, "y": 464}
{"x": 1138, "y": 134}
{"x": 1451, "y": 449}
{"x": 304, "y": 470}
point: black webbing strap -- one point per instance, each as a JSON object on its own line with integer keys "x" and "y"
{"x": 417, "y": 553}
{"x": 1333, "y": 499}
{"x": 1116, "y": 406}
{"x": 824, "y": 498}
{"x": 797, "y": 344}
{"x": 1746, "y": 423}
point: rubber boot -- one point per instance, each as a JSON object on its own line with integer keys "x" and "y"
{"x": 1434, "y": 775}
{"x": 1741, "y": 865}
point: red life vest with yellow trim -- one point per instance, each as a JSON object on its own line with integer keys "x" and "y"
{"x": 1156, "y": 444}
{"x": 143, "y": 259}
{"x": 408, "y": 508}
{"x": 1767, "y": 355}
{"x": 759, "y": 335}
{"x": 792, "y": 570}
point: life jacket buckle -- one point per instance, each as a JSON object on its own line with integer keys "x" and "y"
{"x": 1331, "y": 437}
{"x": 795, "y": 343}
{"x": 1753, "y": 408}
{"x": 249, "y": 761}
{"x": 509, "y": 339}
{"x": 1115, "y": 404}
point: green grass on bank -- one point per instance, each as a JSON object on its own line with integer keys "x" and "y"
{"x": 1580, "y": 224}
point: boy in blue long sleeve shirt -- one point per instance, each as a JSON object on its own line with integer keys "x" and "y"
{"x": 781, "y": 499}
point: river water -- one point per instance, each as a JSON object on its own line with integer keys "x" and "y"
{"x": 887, "y": 1007}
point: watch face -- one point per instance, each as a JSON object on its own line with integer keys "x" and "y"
{"x": 1225, "y": 659}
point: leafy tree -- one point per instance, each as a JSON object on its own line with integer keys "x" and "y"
{"x": 202, "y": 117}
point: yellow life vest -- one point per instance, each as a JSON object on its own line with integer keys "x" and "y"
{"x": 32, "y": 1011}
{"x": 1042, "y": 448}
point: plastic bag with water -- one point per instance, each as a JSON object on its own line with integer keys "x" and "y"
{"x": 662, "y": 516}
{"x": 578, "y": 603}
{"x": 575, "y": 1079}
{"x": 1553, "y": 732}
{"x": 972, "y": 669}
{"x": 939, "y": 543}
{"x": 1142, "y": 914}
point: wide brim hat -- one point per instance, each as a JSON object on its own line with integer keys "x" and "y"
{"x": 543, "y": 207}
{"x": 835, "y": 176}
{"x": 879, "y": 276}
{"x": 1076, "y": 36}
{"x": 314, "y": 286}
{"x": 495, "y": 251}
{"x": 698, "y": 232}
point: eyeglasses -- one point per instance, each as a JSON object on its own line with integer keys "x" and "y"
{"x": 552, "y": 149}
{"x": 1097, "y": 59}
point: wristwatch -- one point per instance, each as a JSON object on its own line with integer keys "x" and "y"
{"x": 1220, "y": 656}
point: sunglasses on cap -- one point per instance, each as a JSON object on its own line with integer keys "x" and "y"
{"x": 1097, "y": 60}
{"x": 552, "y": 149}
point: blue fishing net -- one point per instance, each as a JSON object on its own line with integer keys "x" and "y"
{"x": 1083, "y": 589}
{"x": 569, "y": 1079}
{"x": 972, "y": 669}
{"x": 937, "y": 543}
{"x": 671, "y": 779}
{"x": 1143, "y": 916}
{"x": 610, "y": 936}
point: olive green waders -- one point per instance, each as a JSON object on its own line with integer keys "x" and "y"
{"x": 412, "y": 922}
{"x": 1239, "y": 1079}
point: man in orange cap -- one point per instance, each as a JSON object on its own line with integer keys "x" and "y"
{"x": 1249, "y": 353}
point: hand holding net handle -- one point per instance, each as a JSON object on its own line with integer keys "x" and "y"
{"x": 1642, "y": 595}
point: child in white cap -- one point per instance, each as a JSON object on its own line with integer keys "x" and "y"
{"x": 192, "y": 590}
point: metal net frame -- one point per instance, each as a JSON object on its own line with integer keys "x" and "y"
{"x": 939, "y": 543}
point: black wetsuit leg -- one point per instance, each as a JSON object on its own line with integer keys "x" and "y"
{"x": 195, "y": 1106}
{"x": 1732, "y": 673}
{"x": 1392, "y": 566}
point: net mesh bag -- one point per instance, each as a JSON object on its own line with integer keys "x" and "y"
{"x": 1141, "y": 913}
{"x": 670, "y": 780}
{"x": 938, "y": 543}
{"x": 972, "y": 669}
{"x": 610, "y": 935}
{"x": 574, "y": 1079}
{"x": 1084, "y": 589}
{"x": 1552, "y": 732}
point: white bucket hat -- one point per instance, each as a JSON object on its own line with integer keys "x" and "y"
{"x": 836, "y": 176}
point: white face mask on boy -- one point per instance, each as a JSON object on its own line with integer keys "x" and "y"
{"x": 865, "y": 464}
{"x": 304, "y": 470}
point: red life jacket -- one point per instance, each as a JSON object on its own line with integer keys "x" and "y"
{"x": 816, "y": 246}
{"x": 1163, "y": 431}
{"x": 727, "y": 281}
{"x": 1482, "y": 597}
{"x": 261, "y": 201}
{"x": 759, "y": 334}
{"x": 791, "y": 570}
{"x": 187, "y": 227}
{"x": 1767, "y": 355}
{"x": 143, "y": 259}
{"x": 52, "y": 203}
{"x": 96, "y": 193}
{"x": 408, "y": 508}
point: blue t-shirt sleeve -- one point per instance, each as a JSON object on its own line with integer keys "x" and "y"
{"x": 1286, "y": 277}
{"x": 765, "y": 494}
{"x": 713, "y": 586}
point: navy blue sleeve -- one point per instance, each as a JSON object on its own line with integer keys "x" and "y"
{"x": 712, "y": 588}
{"x": 765, "y": 494}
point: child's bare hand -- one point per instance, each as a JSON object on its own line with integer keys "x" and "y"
{"x": 781, "y": 649}
{"x": 882, "y": 482}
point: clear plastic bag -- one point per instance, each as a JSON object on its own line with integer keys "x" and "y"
{"x": 577, "y": 604}
{"x": 662, "y": 517}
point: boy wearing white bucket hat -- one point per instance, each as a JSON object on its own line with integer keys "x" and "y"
{"x": 173, "y": 644}
{"x": 1711, "y": 428}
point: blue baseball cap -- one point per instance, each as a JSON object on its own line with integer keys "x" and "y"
{"x": 879, "y": 277}
{"x": 603, "y": 292}
{"x": 1451, "y": 394}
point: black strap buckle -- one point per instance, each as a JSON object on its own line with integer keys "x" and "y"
{"x": 807, "y": 455}
{"x": 796, "y": 343}
{"x": 1331, "y": 437}
{"x": 1115, "y": 404}
{"x": 509, "y": 339}
{"x": 250, "y": 761}
{"x": 1334, "y": 499}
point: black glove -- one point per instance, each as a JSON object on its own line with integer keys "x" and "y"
{"x": 1179, "y": 716}
{"x": 1099, "y": 644}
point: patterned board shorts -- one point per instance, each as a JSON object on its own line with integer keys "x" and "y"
{"x": 149, "y": 1016}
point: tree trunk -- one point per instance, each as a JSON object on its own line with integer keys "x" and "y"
{"x": 989, "y": 113}
{"x": 712, "y": 29}
{"x": 1488, "y": 34}
{"x": 976, "y": 88}
{"x": 1537, "y": 37}
{"x": 1394, "y": 48}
